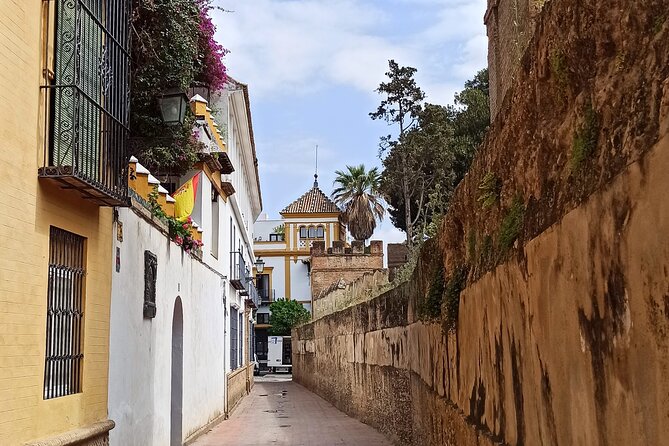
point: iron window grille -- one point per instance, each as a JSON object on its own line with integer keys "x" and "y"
{"x": 233, "y": 339}
{"x": 88, "y": 95}
{"x": 150, "y": 276}
{"x": 64, "y": 320}
{"x": 241, "y": 338}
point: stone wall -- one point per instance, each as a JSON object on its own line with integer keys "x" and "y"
{"x": 240, "y": 383}
{"x": 565, "y": 344}
{"x": 343, "y": 294}
{"x": 398, "y": 255}
{"x": 340, "y": 263}
{"x": 562, "y": 314}
{"x": 510, "y": 25}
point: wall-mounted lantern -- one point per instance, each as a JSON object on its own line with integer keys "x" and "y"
{"x": 173, "y": 104}
{"x": 260, "y": 265}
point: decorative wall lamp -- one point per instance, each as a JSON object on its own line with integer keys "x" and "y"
{"x": 173, "y": 104}
{"x": 260, "y": 265}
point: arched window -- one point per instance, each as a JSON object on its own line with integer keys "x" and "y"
{"x": 303, "y": 232}
{"x": 320, "y": 232}
{"x": 312, "y": 232}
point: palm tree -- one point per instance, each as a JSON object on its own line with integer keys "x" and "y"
{"x": 358, "y": 193}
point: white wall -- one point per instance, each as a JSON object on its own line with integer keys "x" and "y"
{"x": 140, "y": 349}
{"x": 300, "y": 284}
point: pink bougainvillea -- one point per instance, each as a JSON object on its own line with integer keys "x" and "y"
{"x": 211, "y": 53}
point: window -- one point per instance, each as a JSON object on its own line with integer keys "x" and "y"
{"x": 88, "y": 91}
{"x": 276, "y": 237}
{"x": 241, "y": 338}
{"x": 233, "y": 339}
{"x": 64, "y": 320}
{"x": 320, "y": 232}
{"x": 262, "y": 318}
{"x": 252, "y": 343}
{"x": 312, "y": 232}
{"x": 303, "y": 232}
{"x": 150, "y": 274}
{"x": 214, "y": 222}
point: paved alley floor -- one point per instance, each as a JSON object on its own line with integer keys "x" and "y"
{"x": 281, "y": 412}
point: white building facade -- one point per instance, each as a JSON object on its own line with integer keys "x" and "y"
{"x": 284, "y": 245}
{"x": 192, "y": 313}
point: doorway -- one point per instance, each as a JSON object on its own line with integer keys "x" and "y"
{"x": 177, "y": 374}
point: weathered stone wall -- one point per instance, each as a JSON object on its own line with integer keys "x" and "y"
{"x": 565, "y": 344}
{"x": 334, "y": 264}
{"x": 342, "y": 294}
{"x": 563, "y": 322}
{"x": 510, "y": 26}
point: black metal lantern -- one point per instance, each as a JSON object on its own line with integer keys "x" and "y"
{"x": 173, "y": 104}
{"x": 260, "y": 265}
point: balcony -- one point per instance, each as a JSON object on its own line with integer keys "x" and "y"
{"x": 267, "y": 296}
{"x": 239, "y": 273}
{"x": 252, "y": 297}
{"x": 87, "y": 94}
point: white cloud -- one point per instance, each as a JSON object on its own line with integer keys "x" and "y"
{"x": 298, "y": 46}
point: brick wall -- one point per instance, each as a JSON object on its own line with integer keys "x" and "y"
{"x": 334, "y": 264}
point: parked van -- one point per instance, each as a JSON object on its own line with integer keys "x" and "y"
{"x": 279, "y": 353}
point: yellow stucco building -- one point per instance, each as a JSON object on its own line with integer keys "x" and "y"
{"x": 63, "y": 123}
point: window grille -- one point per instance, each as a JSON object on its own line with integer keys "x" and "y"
{"x": 64, "y": 320}
{"x": 150, "y": 275}
{"x": 252, "y": 343}
{"x": 241, "y": 338}
{"x": 233, "y": 339}
{"x": 89, "y": 91}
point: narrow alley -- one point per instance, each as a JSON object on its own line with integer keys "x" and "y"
{"x": 281, "y": 412}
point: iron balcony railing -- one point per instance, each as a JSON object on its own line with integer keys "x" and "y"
{"x": 87, "y": 95}
{"x": 239, "y": 272}
{"x": 253, "y": 298}
{"x": 267, "y": 295}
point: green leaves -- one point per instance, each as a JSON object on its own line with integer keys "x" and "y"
{"x": 357, "y": 192}
{"x": 286, "y": 314}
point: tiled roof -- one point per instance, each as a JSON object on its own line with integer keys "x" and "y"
{"x": 312, "y": 202}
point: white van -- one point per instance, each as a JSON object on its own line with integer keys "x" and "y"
{"x": 279, "y": 353}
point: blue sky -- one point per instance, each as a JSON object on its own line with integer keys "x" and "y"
{"x": 312, "y": 67}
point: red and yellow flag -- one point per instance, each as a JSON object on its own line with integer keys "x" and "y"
{"x": 184, "y": 198}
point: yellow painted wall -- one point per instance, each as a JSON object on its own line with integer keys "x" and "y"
{"x": 28, "y": 209}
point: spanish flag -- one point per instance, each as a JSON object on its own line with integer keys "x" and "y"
{"x": 184, "y": 198}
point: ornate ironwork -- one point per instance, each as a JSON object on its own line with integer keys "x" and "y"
{"x": 88, "y": 98}
{"x": 150, "y": 276}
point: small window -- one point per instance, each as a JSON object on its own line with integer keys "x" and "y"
{"x": 303, "y": 232}
{"x": 276, "y": 237}
{"x": 320, "y": 232}
{"x": 312, "y": 232}
{"x": 65, "y": 316}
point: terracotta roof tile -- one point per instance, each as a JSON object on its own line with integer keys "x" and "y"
{"x": 312, "y": 202}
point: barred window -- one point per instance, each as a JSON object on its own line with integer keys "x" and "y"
{"x": 64, "y": 320}
{"x": 233, "y": 339}
{"x": 241, "y": 338}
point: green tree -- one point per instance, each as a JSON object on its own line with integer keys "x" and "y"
{"x": 286, "y": 314}
{"x": 433, "y": 155}
{"x": 357, "y": 192}
{"x": 401, "y": 107}
{"x": 430, "y": 176}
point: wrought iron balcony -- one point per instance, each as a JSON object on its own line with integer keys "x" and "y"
{"x": 239, "y": 272}
{"x": 266, "y": 295}
{"x": 87, "y": 98}
{"x": 252, "y": 298}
